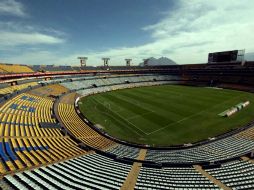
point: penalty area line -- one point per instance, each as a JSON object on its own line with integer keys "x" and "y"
{"x": 139, "y": 115}
{"x": 122, "y": 119}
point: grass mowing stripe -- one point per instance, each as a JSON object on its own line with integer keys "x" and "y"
{"x": 154, "y": 106}
{"x": 95, "y": 109}
{"x": 207, "y": 94}
{"x": 119, "y": 116}
{"x": 193, "y": 115}
{"x": 137, "y": 109}
{"x": 172, "y": 103}
{"x": 161, "y": 106}
{"x": 192, "y": 94}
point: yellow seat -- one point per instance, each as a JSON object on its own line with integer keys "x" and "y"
{"x": 7, "y": 68}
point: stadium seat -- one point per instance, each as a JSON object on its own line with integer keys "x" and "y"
{"x": 32, "y": 157}
{"x": 13, "y": 68}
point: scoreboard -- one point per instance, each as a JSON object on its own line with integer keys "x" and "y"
{"x": 224, "y": 56}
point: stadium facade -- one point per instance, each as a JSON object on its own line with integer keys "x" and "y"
{"x": 46, "y": 143}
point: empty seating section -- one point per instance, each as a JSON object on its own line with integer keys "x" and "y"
{"x": 8, "y": 68}
{"x": 118, "y": 86}
{"x": 214, "y": 151}
{"x": 172, "y": 178}
{"x": 86, "y": 172}
{"x": 78, "y": 128}
{"x": 22, "y": 153}
{"x": 124, "y": 151}
{"x": 77, "y": 84}
{"x": 11, "y": 89}
{"x": 51, "y": 68}
{"x": 246, "y": 134}
{"x": 3, "y": 85}
{"x": 19, "y": 153}
{"x": 236, "y": 175}
{"x": 99, "y": 141}
{"x": 49, "y": 90}
{"x": 23, "y": 143}
{"x": 28, "y": 110}
{"x": 102, "y": 81}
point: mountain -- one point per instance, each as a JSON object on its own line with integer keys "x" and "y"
{"x": 161, "y": 61}
{"x": 249, "y": 56}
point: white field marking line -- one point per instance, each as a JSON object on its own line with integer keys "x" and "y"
{"x": 96, "y": 104}
{"x": 124, "y": 120}
{"x": 118, "y": 108}
{"x": 166, "y": 126}
{"x": 138, "y": 103}
{"x": 106, "y": 113}
{"x": 139, "y": 115}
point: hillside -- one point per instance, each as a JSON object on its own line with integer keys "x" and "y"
{"x": 161, "y": 61}
{"x": 249, "y": 56}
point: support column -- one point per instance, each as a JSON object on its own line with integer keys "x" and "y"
{"x": 128, "y": 62}
{"x": 105, "y": 61}
{"x": 82, "y": 61}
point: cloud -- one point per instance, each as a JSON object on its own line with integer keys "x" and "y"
{"x": 186, "y": 35}
{"x": 17, "y": 33}
{"x": 12, "y": 7}
{"x": 200, "y": 15}
{"x": 209, "y": 25}
{"x": 189, "y": 32}
{"x": 34, "y": 57}
{"x": 15, "y": 39}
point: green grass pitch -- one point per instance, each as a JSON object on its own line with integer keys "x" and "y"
{"x": 168, "y": 114}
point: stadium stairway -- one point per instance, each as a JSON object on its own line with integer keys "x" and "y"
{"x": 131, "y": 179}
{"x": 237, "y": 174}
{"x": 211, "y": 178}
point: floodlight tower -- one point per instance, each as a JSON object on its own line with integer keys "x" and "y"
{"x": 82, "y": 61}
{"x": 240, "y": 56}
{"x": 145, "y": 62}
{"x": 128, "y": 62}
{"x": 105, "y": 61}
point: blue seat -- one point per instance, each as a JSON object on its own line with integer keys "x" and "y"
{"x": 14, "y": 106}
{"x": 23, "y": 97}
{"x": 2, "y": 152}
{"x": 9, "y": 151}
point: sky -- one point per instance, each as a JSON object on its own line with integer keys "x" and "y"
{"x": 58, "y": 31}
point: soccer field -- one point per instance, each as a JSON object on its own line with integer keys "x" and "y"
{"x": 168, "y": 114}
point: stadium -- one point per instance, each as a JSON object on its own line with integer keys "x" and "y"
{"x": 128, "y": 95}
{"x": 86, "y": 128}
